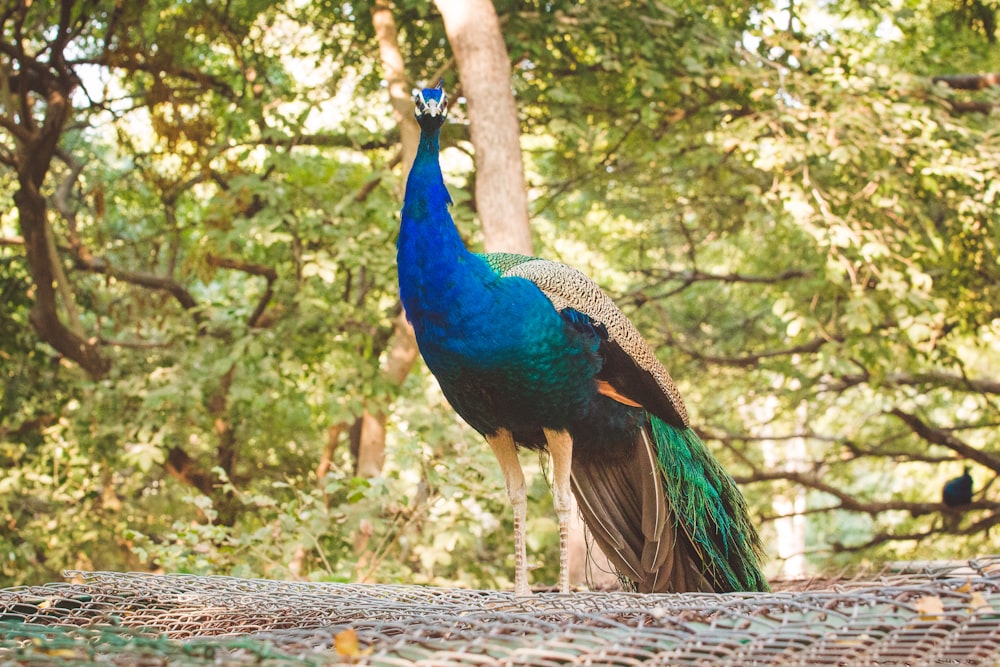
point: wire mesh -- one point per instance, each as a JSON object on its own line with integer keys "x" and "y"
{"x": 939, "y": 614}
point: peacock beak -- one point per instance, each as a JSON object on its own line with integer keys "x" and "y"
{"x": 432, "y": 109}
{"x": 430, "y": 106}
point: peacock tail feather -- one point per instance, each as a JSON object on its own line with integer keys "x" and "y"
{"x": 709, "y": 508}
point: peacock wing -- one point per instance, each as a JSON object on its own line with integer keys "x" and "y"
{"x": 631, "y": 371}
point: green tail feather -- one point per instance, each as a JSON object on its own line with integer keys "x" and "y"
{"x": 710, "y": 509}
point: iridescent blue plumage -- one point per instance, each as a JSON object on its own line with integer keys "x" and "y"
{"x": 533, "y": 354}
{"x": 958, "y": 491}
{"x": 503, "y": 356}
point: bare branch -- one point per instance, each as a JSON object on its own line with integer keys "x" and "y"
{"x": 180, "y": 464}
{"x": 882, "y": 538}
{"x": 751, "y": 359}
{"x": 135, "y": 344}
{"x": 934, "y": 378}
{"x": 850, "y": 502}
{"x": 240, "y": 265}
{"x": 944, "y": 438}
{"x": 889, "y": 453}
{"x": 695, "y": 275}
{"x": 256, "y": 270}
{"x": 150, "y": 280}
{"x": 968, "y": 81}
{"x": 980, "y": 526}
{"x": 847, "y": 501}
{"x": 875, "y": 450}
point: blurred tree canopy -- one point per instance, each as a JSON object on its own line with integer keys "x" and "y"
{"x": 795, "y": 202}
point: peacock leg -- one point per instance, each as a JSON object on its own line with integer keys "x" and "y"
{"x": 502, "y": 444}
{"x": 561, "y": 451}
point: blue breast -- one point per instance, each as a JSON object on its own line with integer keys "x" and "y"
{"x": 501, "y": 353}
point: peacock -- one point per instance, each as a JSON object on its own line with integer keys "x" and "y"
{"x": 533, "y": 354}
{"x": 957, "y": 492}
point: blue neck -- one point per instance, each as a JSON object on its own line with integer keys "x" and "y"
{"x": 433, "y": 263}
{"x": 427, "y": 198}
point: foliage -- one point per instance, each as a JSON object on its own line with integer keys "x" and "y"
{"x": 802, "y": 223}
{"x": 814, "y": 239}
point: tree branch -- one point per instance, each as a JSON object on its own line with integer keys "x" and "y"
{"x": 881, "y": 538}
{"x": 152, "y": 281}
{"x": 850, "y": 501}
{"x": 941, "y": 437}
{"x": 135, "y": 344}
{"x": 971, "y": 82}
{"x": 239, "y": 265}
{"x": 968, "y": 81}
{"x": 935, "y": 378}
{"x": 65, "y": 189}
{"x": 120, "y": 60}
{"x": 884, "y": 537}
{"x": 696, "y": 275}
{"x": 877, "y": 449}
{"x": 180, "y": 464}
{"x": 751, "y": 360}
{"x": 253, "y": 269}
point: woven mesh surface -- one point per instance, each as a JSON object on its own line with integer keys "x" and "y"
{"x": 939, "y": 615}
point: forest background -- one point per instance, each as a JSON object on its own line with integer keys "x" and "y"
{"x": 204, "y": 365}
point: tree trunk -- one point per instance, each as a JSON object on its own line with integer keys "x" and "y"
{"x": 399, "y": 93}
{"x": 484, "y": 66}
{"x": 36, "y": 145}
{"x": 226, "y": 448}
{"x": 403, "y": 349}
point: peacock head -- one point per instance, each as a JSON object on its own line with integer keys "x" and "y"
{"x": 431, "y": 107}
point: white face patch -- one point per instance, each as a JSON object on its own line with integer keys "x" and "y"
{"x": 430, "y": 106}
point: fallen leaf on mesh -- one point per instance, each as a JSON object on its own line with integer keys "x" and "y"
{"x": 53, "y": 651}
{"x": 930, "y": 607}
{"x": 346, "y": 644}
{"x": 978, "y": 603}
